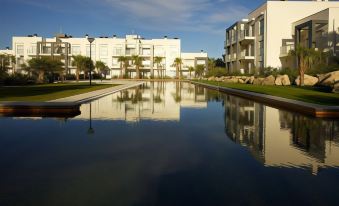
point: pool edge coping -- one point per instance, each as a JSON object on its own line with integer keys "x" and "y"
{"x": 316, "y": 110}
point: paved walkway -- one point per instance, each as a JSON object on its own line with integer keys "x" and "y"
{"x": 85, "y": 97}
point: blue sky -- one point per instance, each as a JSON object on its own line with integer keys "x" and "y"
{"x": 199, "y": 23}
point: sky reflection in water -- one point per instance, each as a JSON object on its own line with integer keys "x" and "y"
{"x": 170, "y": 144}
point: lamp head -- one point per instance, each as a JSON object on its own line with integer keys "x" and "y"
{"x": 90, "y": 39}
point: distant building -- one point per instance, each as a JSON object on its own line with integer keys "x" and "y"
{"x": 107, "y": 50}
{"x": 269, "y": 32}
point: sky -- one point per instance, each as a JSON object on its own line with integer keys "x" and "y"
{"x": 200, "y": 24}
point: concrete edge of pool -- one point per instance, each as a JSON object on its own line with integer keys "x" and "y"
{"x": 64, "y": 107}
{"x": 315, "y": 110}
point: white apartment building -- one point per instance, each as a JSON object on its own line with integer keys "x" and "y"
{"x": 108, "y": 50}
{"x": 266, "y": 35}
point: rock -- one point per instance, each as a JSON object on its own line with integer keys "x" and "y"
{"x": 241, "y": 81}
{"x": 336, "y": 86}
{"x": 269, "y": 80}
{"x": 282, "y": 80}
{"x": 258, "y": 81}
{"x": 251, "y": 80}
{"x": 328, "y": 79}
{"x": 308, "y": 80}
{"x": 211, "y": 79}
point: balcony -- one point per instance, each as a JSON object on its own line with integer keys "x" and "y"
{"x": 246, "y": 55}
{"x": 245, "y": 36}
{"x": 285, "y": 50}
{"x": 227, "y": 57}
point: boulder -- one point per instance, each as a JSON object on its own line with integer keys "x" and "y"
{"x": 241, "y": 81}
{"x": 328, "y": 79}
{"x": 269, "y": 80}
{"x": 308, "y": 80}
{"x": 251, "y": 80}
{"x": 282, "y": 80}
{"x": 211, "y": 79}
{"x": 258, "y": 81}
{"x": 336, "y": 86}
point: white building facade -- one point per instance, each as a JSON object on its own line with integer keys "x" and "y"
{"x": 107, "y": 50}
{"x": 267, "y": 34}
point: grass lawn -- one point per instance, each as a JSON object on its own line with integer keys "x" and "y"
{"x": 46, "y": 92}
{"x": 305, "y": 94}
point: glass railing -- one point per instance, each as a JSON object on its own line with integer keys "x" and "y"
{"x": 285, "y": 50}
{"x": 245, "y": 33}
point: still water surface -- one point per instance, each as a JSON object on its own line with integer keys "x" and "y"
{"x": 170, "y": 144}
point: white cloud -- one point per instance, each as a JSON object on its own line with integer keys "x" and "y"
{"x": 179, "y": 15}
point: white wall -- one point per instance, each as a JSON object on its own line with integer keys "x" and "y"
{"x": 280, "y": 17}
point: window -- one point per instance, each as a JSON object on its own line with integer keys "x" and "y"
{"x": 146, "y": 63}
{"x": 261, "y": 48}
{"x": 261, "y": 27}
{"x": 130, "y": 51}
{"x": 115, "y": 62}
{"x": 117, "y": 51}
{"x": 76, "y": 50}
{"x": 88, "y": 50}
{"x": 103, "y": 49}
{"x": 201, "y": 62}
{"x": 32, "y": 49}
{"x": 146, "y": 51}
{"x": 20, "y": 49}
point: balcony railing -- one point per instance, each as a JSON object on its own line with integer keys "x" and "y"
{"x": 246, "y": 55}
{"x": 245, "y": 34}
{"x": 285, "y": 50}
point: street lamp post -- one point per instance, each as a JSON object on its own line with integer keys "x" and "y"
{"x": 90, "y": 40}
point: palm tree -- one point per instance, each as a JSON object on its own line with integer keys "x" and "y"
{"x": 137, "y": 61}
{"x": 45, "y": 65}
{"x": 101, "y": 67}
{"x": 199, "y": 70}
{"x": 78, "y": 62}
{"x": 157, "y": 60}
{"x": 177, "y": 63}
{"x": 124, "y": 62}
{"x": 306, "y": 57}
{"x": 190, "y": 69}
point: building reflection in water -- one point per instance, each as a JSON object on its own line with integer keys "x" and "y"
{"x": 282, "y": 139}
{"x": 159, "y": 101}
{"x": 274, "y": 137}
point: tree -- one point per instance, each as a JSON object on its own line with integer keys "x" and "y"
{"x": 102, "y": 68}
{"x": 6, "y": 61}
{"x": 219, "y": 62}
{"x": 199, "y": 70}
{"x": 178, "y": 63}
{"x": 79, "y": 63}
{"x": 137, "y": 61}
{"x": 190, "y": 69}
{"x": 45, "y": 65}
{"x": 157, "y": 60}
{"x": 306, "y": 57}
{"x": 211, "y": 63}
{"x": 124, "y": 63}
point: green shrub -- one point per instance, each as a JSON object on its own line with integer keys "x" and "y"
{"x": 216, "y": 72}
{"x": 18, "y": 79}
{"x": 322, "y": 69}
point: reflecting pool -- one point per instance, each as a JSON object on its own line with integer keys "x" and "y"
{"x": 170, "y": 143}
